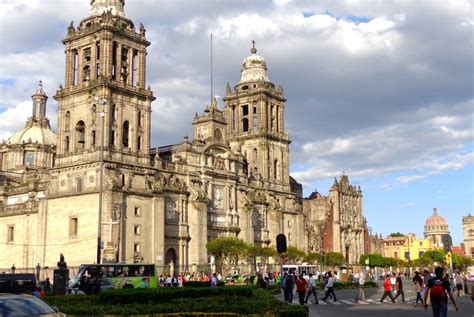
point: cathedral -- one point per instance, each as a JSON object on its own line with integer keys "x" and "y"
{"x": 96, "y": 186}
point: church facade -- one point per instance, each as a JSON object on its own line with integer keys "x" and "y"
{"x": 97, "y": 183}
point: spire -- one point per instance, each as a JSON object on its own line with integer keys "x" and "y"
{"x": 115, "y": 7}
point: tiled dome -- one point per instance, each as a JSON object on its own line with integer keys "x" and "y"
{"x": 436, "y": 220}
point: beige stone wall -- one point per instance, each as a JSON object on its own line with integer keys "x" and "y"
{"x": 468, "y": 234}
{"x": 78, "y": 249}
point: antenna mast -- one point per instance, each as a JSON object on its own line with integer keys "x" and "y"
{"x": 212, "y": 88}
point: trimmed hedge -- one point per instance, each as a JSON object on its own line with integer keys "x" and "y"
{"x": 168, "y": 294}
{"x": 202, "y": 284}
{"x": 243, "y": 300}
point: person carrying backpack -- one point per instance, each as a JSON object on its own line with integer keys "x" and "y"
{"x": 288, "y": 286}
{"x": 439, "y": 289}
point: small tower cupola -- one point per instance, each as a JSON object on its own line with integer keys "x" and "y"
{"x": 254, "y": 67}
{"x": 39, "y": 103}
{"x": 115, "y": 6}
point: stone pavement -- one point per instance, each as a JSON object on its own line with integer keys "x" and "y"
{"x": 346, "y": 306}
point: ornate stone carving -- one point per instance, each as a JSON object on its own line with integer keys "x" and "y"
{"x": 198, "y": 192}
{"x": 112, "y": 177}
{"x": 218, "y": 199}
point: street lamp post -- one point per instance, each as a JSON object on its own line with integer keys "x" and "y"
{"x": 101, "y": 178}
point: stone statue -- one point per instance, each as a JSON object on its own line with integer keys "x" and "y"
{"x": 62, "y": 264}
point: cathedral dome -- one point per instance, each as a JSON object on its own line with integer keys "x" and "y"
{"x": 435, "y": 220}
{"x": 34, "y": 134}
{"x": 254, "y": 67}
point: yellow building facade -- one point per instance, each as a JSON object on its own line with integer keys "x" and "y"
{"x": 406, "y": 248}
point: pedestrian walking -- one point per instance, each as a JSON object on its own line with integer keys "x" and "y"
{"x": 301, "y": 287}
{"x": 360, "y": 287}
{"x": 399, "y": 287}
{"x": 330, "y": 288}
{"x": 288, "y": 286}
{"x": 312, "y": 288}
{"x": 458, "y": 282}
{"x": 418, "y": 285}
{"x": 393, "y": 281}
{"x": 439, "y": 289}
{"x": 387, "y": 287}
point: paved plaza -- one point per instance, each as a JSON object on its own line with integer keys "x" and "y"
{"x": 346, "y": 306}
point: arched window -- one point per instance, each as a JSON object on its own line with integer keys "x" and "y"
{"x": 93, "y": 138}
{"x": 255, "y": 155}
{"x": 139, "y": 143}
{"x": 113, "y": 113}
{"x": 66, "y": 145}
{"x": 139, "y": 119}
{"x": 112, "y": 138}
{"x": 67, "y": 120}
{"x": 245, "y": 124}
{"x": 93, "y": 113}
{"x": 80, "y": 130}
{"x": 275, "y": 169}
{"x": 79, "y": 185}
{"x": 125, "y": 132}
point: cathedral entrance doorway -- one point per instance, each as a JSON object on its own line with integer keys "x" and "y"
{"x": 170, "y": 260}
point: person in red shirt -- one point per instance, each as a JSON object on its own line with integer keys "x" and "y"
{"x": 301, "y": 288}
{"x": 387, "y": 289}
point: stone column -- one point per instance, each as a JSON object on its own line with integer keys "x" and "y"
{"x": 142, "y": 68}
{"x": 118, "y": 61}
{"x": 93, "y": 66}
{"x": 80, "y": 52}
{"x": 130, "y": 66}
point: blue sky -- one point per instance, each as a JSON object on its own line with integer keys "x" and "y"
{"x": 380, "y": 90}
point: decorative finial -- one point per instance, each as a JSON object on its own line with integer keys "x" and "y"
{"x": 435, "y": 211}
{"x": 253, "y": 50}
{"x": 40, "y": 85}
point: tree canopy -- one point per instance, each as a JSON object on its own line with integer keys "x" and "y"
{"x": 226, "y": 251}
{"x": 396, "y": 234}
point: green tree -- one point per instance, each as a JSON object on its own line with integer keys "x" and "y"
{"x": 435, "y": 256}
{"x": 313, "y": 258}
{"x": 294, "y": 255}
{"x": 226, "y": 251}
{"x": 388, "y": 261}
{"x": 333, "y": 259}
{"x": 375, "y": 259}
{"x": 396, "y": 234}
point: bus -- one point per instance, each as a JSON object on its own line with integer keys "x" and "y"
{"x": 304, "y": 269}
{"x": 116, "y": 275}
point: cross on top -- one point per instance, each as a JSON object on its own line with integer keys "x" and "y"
{"x": 253, "y": 50}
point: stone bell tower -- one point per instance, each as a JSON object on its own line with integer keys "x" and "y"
{"x": 105, "y": 70}
{"x": 255, "y": 123}
{"x": 104, "y": 111}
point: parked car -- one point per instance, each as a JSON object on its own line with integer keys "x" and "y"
{"x": 14, "y": 305}
{"x": 17, "y": 283}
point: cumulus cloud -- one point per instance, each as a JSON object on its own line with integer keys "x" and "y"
{"x": 373, "y": 88}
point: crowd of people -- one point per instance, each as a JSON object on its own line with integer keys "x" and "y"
{"x": 431, "y": 288}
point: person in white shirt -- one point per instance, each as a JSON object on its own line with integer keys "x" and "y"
{"x": 360, "y": 293}
{"x": 330, "y": 288}
{"x": 312, "y": 285}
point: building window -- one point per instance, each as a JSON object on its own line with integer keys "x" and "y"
{"x": 80, "y": 134}
{"x": 421, "y": 253}
{"x": 245, "y": 125}
{"x": 137, "y": 212}
{"x": 11, "y": 234}
{"x": 136, "y": 230}
{"x": 113, "y": 112}
{"x": 136, "y": 247}
{"x": 79, "y": 185}
{"x": 93, "y": 138}
{"x": 73, "y": 227}
{"x": 29, "y": 158}
{"x": 421, "y": 243}
{"x": 125, "y": 128}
